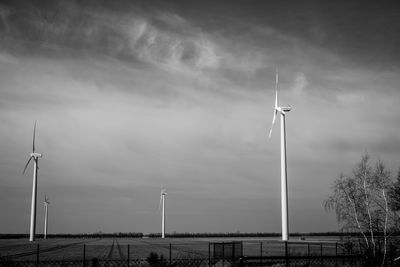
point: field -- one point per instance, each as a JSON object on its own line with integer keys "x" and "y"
{"x": 140, "y": 248}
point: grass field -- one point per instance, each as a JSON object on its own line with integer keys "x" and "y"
{"x": 140, "y": 248}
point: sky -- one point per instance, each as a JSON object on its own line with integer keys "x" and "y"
{"x": 134, "y": 96}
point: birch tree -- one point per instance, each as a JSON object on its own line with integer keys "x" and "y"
{"x": 360, "y": 203}
{"x": 394, "y": 194}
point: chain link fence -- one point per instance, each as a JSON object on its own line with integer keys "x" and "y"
{"x": 160, "y": 253}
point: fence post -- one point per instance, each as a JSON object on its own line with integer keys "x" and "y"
{"x": 223, "y": 252}
{"x": 321, "y": 254}
{"x": 286, "y": 254}
{"x": 127, "y": 255}
{"x": 84, "y": 255}
{"x": 308, "y": 249}
{"x": 37, "y": 255}
{"x": 261, "y": 253}
{"x": 336, "y": 249}
{"x": 214, "y": 253}
{"x": 170, "y": 254}
{"x": 321, "y": 249}
{"x": 209, "y": 254}
{"x": 336, "y": 254}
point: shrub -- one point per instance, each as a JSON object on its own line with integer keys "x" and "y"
{"x": 156, "y": 260}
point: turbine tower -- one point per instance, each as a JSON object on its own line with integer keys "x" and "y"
{"x": 284, "y": 188}
{"x": 35, "y": 156}
{"x": 162, "y": 205}
{"x": 46, "y": 204}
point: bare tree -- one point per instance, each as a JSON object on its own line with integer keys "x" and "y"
{"x": 361, "y": 205}
{"x": 394, "y": 194}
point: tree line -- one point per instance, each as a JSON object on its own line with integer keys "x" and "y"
{"x": 187, "y": 235}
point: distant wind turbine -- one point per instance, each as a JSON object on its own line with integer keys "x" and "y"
{"x": 284, "y": 188}
{"x": 162, "y": 205}
{"x": 46, "y": 206}
{"x": 35, "y": 156}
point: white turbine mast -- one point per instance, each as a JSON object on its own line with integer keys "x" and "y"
{"x": 35, "y": 156}
{"x": 46, "y": 208}
{"x": 284, "y": 188}
{"x": 162, "y": 206}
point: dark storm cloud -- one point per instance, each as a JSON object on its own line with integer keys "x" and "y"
{"x": 59, "y": 25}
{"x": 120, "y": 30}
{"x": 366, "y": 32}
{"x": 362, "y": 32}
{"x": 171, "y": 35}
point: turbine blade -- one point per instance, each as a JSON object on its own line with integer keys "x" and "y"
{"x": 27, "y": 165}
{"x": 34, "y": 133}
{"x": 276, "y": 89}
{"x": 274, "y": 118}
{"x": 276, "y": 102}
{"x": 159, "y": 206}
{"x": 273, "y": 122}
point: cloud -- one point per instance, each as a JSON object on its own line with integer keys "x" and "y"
{"x": 173, "y": 51}
{"x": 300, "y": 83}
{"x": 169, "y": 42}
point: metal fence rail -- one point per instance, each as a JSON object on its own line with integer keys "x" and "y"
{"x": 294, "y": 261}
{"x": 188, "y": 253}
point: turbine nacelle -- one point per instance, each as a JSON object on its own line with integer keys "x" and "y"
{"x": 283, "y": 110}
{"x": 162, "y": 195}
{"x": 36, "y": 155}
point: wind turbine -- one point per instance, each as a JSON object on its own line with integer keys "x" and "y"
{"x": 35, "y": 156}
{"x": 46, "y": 204}
{"x": 284, "y": 188}
{"x": 162, "y": 205}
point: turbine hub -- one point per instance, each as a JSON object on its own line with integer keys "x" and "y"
{"x": 36, "y": 155}
{"x": 285, "y": 109}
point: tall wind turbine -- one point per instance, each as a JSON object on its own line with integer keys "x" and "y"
{"x": 162, "y": 205}
{"x": 35, "y": 156}
{"x": 284, "y": 189}
{"x": 46, "y": 207}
